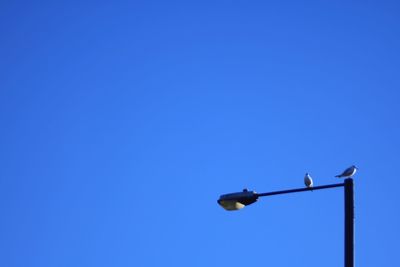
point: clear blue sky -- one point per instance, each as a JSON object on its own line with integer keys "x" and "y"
{"x": 123, "y": 122}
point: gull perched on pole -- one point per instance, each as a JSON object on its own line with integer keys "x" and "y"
{"x": 347, "y": 173}
{"x": 308, "y": 180}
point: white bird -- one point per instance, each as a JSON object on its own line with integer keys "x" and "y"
{"x": 349, "y": 172}
{"x": 308, "y": 181}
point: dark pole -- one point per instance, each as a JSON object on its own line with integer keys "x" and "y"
{"x": 348, "y": 223}
{"x": 348, "y": 213}
{"x": 299, "y": 190}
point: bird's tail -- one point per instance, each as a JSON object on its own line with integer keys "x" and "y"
{"x": 338, "y": 176}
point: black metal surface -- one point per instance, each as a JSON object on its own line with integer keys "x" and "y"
{"x": 300, "y": 190}
{"x": 245, "y": 197}
{"x": 348, "y": 223}
{"x": 348, "y": 207}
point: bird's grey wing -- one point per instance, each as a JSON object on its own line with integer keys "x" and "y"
{"x": 348, "y": 171}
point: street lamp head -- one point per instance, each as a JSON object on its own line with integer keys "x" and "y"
{"x": 237, "y": 201}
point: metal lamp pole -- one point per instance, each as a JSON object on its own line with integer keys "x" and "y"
{"x": 348, "y": 223}
{"x": 237, "y": 201}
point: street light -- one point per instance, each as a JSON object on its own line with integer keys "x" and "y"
{"x": 238, "y": 200}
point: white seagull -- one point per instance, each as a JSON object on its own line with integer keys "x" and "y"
{"x": 308, "y": 181}
{"x": 347, "y": 173}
